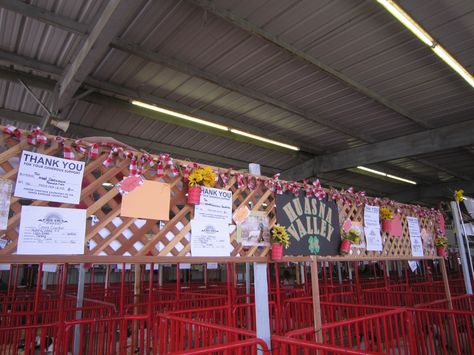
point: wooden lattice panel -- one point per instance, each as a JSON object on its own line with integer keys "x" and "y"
{"x": 112, "y": 234}
{"x": 392, "y": 246}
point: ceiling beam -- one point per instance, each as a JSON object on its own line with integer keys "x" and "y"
{"x": 16, "y": 60}
{"x": 18, "y": 116}
{"x": 429, "y": 141}
{"x": 211, "y": 6}
{"x": 436, "y": 191}
{"x": 109, "y": 24}
{"x": 155, "y": 57}
{"x": 45, "y": 16}
{"x": 109, "y": 100}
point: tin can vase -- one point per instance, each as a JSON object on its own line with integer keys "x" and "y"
{"x": 277, "y": 251}
{"x": 442, "y": 251}
{"x": 345, "y": 247}
{"x": 194, "y": 195}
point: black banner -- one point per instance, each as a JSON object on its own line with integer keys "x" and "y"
{"x": 312, "y": 224}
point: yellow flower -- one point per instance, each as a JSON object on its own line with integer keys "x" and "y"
{"x": 279, "y": 235}
{"x": 386, "y": 214}
{"x": 202, "y": 176}
{"x": 458, "y": 195}
{"x": 195, "y": 178}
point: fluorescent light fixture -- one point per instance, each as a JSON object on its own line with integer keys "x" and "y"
{"x": 180, "y": 115}
{"x": 424, "y": 36}
{"x": 386, "y": 175}
{"x": 212, "y": 124}
{"x": 453, "y": 63}
{"x": 407, "y": 21}
{"x": 266, "y": 140}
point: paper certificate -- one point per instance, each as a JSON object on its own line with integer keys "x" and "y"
{"x": 373, "y": 239}
{"x": 415, "y": 236}
{"x": 209, "y": 238}
{"x": 48, "y": 178}
{"x": 371, "y": 216}
{"x": 215, "y": 204}
{"x": 6, "y": 187}
{"x": 51, "y": 231}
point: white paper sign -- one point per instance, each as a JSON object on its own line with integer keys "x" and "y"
{"x": 48, "y": 178}
{"x": 184, "y": 266}
{"x": 50, "y": 267}
{"x": 371, "y": 216}
{"x": 215, "y": 204}
{"x": 373, "y": 239}
{"x": 4, "y": 267}
{"x": 209, "y": 237}
{"x": 413, "y": 265}
{"x": 51, "y": 231}
{"x": 6, "y": 188}
{"x": 415, "y": 236}
{"x": 212, "y": 266}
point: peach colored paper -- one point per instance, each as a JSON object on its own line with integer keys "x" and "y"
{"x": 150, "y": 201}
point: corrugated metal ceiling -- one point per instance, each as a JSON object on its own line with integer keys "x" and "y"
{"x": 318, "y": 111}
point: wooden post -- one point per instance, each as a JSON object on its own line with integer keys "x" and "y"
{"x": 316, "y": 299}
{"x": 446, "y": 284}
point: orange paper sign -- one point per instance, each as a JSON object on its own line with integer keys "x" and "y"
{"x": 150, "y": 201}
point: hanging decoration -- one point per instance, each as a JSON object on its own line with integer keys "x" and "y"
{"x": 164, "y": 162}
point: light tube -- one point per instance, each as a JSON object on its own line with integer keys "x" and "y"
{"x": 266, "y": 140}
{"x": 386, "y": 175}
{"x": 180, "y": 115}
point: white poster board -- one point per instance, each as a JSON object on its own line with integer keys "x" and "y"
{"x": 373, "y": 237}
{"x": 215, "y": 204}
{"x": 415, "y": 236}
{"x": 51, "y": 231}
{"x": 6, "y": 188}
{"x": 209, "y": 238}
{"x": 47, "y": 178}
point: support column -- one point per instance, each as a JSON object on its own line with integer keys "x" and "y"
{"x": 262, "y": 316}
{"x": 462, "y": 249}
{"x": 79, "y": 303}
{"x": 339, "y": 272}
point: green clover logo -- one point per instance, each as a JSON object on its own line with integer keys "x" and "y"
{"x": 313, "y": 242}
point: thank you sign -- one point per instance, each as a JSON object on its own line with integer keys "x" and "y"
{"x": 312, "y": 224}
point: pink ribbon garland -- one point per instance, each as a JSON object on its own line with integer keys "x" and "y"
{"x": 12, "y": 131}
{"x": 188, "y": 169}
{"x": 36, "y": 136}
{"x": 93, "y": 151}
{"x": 240, "y": 180}
{"x": 318, "y": 191}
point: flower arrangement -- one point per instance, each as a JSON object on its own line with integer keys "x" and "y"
{"x": 386, "y": 214}
{"x": 199, "y": 177}
{"x": 352, "y": 235}
{"x": 458, "y": 195}
{"x": 279, "y": 235}
{"x": 202, "y": 177}
{"x": 441, "y": 241}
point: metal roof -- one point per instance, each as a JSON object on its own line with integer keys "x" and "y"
{"x": 328, "y": 76}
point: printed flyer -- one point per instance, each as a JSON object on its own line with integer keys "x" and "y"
{"x": 51, "y": 231}
{"x": 47, "y": 178}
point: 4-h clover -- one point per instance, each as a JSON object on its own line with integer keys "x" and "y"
{"x": 313, "y": 244}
